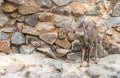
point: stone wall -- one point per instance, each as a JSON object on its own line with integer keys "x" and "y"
{"x": 49, "y": 26}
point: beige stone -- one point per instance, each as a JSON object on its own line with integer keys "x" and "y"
{"x": 45, "y": 17}
{"x": 64, "y": 43}
{"x": 77, "y": 8}
{"x": 9, "y": 7}
{"x": 44, "y": 26}
{"x": 28, "y": 9}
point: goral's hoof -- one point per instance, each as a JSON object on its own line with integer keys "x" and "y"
{"x": 81, "y": 65}
{"x": 96, "y": 62}
{"x": 88, "y": 65}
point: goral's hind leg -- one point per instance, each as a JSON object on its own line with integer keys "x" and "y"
{"x": 96, "y": 51}
{"x": 82, "y": 57}
{"x": 89, "y": 52}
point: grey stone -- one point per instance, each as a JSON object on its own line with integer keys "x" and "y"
{"x": 61, "y": 2}
{"x": 18, "y": 38}
{"x": 49, "y": 38}
{"x": 61, "y": 10}
{"x": 31, "y": 20}
{"x": 74, "y": 56}
{"x": 93, "y": 11}
{"x": 101, "y": 51}
{"x": 116, "y": 10}
{"x": 113, "y": 22}
{"x": 30, "y": 30}
{"x": 26, "y": 49}
{"x": 116, "y": 37}
{"x": 28, "y": 9}
{"x": 76, "y": 45}
{"x": 62, "y": 21}
{"x": 114, "y": 49}
{"x": 3, "y": 20}
{"x": 46, "y": 4}
{"x": 58, "y": 66}
{"x": 118, "y": 74}
{"x": 21, "y": 19}
{"x": 47, "y": 51}
{"x": 85, "y": 1}
{"x": 3, "y": 36}
{"x": 61, "y": 52}
{"x": 93, "y": 73}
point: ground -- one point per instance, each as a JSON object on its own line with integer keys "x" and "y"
{"x": 38, "y": 65}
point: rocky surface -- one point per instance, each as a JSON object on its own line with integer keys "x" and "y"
{"x": 37, "y": 65}
{"x": 52, "y": 28}
{"x": 3, "y": 36}
{"x": 44, "y": 26}
{"x": 54, "y": 24}
{"x": 8, "y": 7}
{"x": 28, "y": 9}
{"x": 49, "y": 38}
{"x": 18, "y": 38}
{"x": 61, "y": 2}
{"x": 26, "y": 49}
{"x": 30, "y": 30}
{"x": 62, "y": 21}
{"x": 116, "y": 10}
{"x": 32, "y": 20}
{"x": 94, "y": 11}
{"x": 113, "y": 22}
{"x": 5, "y": 46}
{"x": 3, "y": 20}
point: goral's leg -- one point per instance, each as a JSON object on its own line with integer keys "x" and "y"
{"x": 96, "y": 52}
{"x": 82, "y": 57}
{"x": 89, "y": 52}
